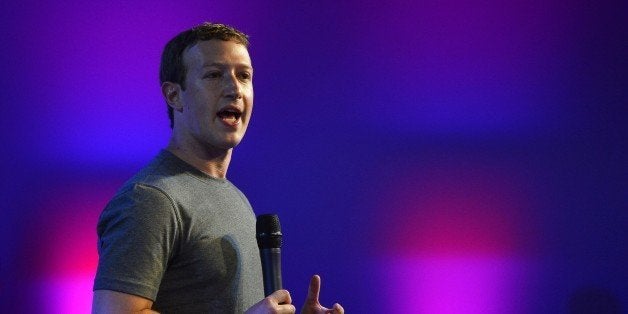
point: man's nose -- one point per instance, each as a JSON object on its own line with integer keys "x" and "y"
{"x": 232, "y": 88}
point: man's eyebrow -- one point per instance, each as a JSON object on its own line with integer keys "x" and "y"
{"x": 220, "y": 64}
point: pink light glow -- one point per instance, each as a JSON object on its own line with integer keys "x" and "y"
{"x": 459, "y": 210}
{"x": 456, "y": 285}
{"x": 458, "y": 240}
{"x": 67, "y": 242}
{"x": 65, "y": 248}
{"x": 67, "y": 294}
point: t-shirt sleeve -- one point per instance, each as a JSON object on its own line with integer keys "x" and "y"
{"x": 137, "y": 233}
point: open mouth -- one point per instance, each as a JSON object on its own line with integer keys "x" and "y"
{"x": 229, "y": 116}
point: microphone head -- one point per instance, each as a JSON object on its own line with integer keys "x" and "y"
{"x": 268, "y": 231}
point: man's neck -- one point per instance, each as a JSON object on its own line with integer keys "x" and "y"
{"x": 212, "y": 162}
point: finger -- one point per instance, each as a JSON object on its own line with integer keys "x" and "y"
{"x": 338, "y": 309}
{"x": 281, "y": 297}
{"x": 314, "y": 290}
{"x": 286, "y": 308}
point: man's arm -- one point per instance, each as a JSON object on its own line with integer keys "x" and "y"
{"x": 107, "y": 301}
{"x": 136, "y": 233}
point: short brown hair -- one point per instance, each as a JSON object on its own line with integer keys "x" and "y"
{"x": 172, "y": 69}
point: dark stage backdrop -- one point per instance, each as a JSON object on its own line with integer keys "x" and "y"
{"x": 424, "y": 157}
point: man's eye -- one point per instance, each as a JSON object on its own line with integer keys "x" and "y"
{"x": 212, "y": 75}
{"x": 244, "y": 76}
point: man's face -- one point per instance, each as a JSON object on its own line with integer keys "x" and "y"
{"x": 218, "y": 98}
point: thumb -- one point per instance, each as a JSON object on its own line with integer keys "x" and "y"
{"x": 314, "y": 290}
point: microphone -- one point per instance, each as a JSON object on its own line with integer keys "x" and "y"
{"x": 268, "y": 234}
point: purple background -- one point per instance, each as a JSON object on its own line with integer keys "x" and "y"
{"x": 435, "y": 157}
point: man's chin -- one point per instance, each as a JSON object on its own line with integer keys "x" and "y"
{"x": 230, "y": 143}
{"x": 221, "y": 143}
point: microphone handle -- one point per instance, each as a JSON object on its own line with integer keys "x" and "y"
{"x": 271, "y": 269}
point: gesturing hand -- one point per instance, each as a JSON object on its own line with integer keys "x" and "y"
{"x": 312, "y": 305}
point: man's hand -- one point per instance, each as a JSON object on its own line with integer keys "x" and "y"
{"x": 278, "y": 302}
{"x": 312, "y": 305}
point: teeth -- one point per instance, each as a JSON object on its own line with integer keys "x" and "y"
{"x": 230, "y": 113}
{"x": 229, "y": 117}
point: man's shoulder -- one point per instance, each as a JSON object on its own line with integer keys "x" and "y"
{"x": 168, "y": 178}
{"x": 162, "y": 171}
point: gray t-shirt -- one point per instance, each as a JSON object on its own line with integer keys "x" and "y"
{"x": 181, "y": 238}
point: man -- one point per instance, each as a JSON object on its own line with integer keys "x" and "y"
{"x": 178, "y": 236}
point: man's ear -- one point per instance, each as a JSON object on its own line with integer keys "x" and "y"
{"x": 172, "y": 94}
